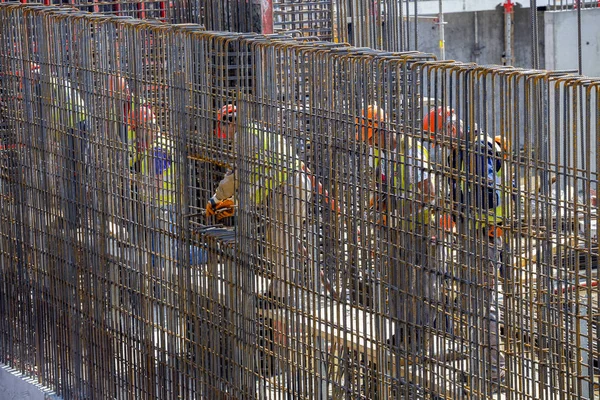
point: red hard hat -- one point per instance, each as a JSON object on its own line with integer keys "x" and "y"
{"x": 228, "y": 111}
{"x": 141, "y": 116}
{"x": 442, "y": 117}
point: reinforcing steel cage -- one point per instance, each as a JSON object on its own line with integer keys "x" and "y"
{"x": 382, "y": 225}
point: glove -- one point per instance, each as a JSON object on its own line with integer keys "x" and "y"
{"x": 220, "y": 208}
{"x": 211, "y": 206}
{"x": 225, "y": 209}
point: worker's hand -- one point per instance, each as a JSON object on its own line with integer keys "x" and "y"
{"x": 225, "y": 209}
{"x": 211, "y": 206}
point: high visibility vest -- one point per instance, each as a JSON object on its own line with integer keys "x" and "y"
{"x": 66, "y": 96}
{"x": 273, "y": 161}
{"x": 163, "y": 194}
{"x": 485, "y": 217}
{"x": 398, "y": 182}
{"x": 132, "y": 151}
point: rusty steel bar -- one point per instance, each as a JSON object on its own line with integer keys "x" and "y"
{"x": 200, "y": 214}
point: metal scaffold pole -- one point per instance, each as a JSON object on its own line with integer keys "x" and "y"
{"x": 266, "y": 9}
{"x": 508, "y": 32}
{"x": 441, "y": 23}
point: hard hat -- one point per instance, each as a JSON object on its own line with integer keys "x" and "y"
{"x": 370, "y": 119}
{"x": 141, "y": 116}
{"x": 228, "y": 110}
{"x": 227, "y": 113}
{"x": 504, "y": 144}
{"x": 501, "y": 142}
{"x": 443, "y": 117}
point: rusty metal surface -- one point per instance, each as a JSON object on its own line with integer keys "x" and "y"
{"x": 351, "y": 267}
{"x": 219, "y": 15}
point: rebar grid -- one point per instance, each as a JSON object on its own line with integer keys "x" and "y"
{"x": 219, "y": 15}
{"x": 358, "y": 262}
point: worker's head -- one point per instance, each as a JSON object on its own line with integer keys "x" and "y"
{"x": 442, "y": 123}
{"x": 226, "y": 118}
{"x": 370, "y": 124}
{"x": 143, "y": 121}
{"x": 503, "y": 142}
{"x": 118, "y": 87}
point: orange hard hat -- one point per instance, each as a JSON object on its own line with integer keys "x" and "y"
{"x": 503, "y": 143}
{"x": 370, "y": 119}
{"x": 437, "y": 119}
{"x": 227, "y": 113}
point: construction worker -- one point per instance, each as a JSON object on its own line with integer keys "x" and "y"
{"x": 157, "y": 165}
{"x": 476, "y": 189}
{"x": 225, "y": 115}
{"x": 70, "y": 150}
{"x": 275, "y": 190}
{"x": 63, "y": 117}
{"x": 402, "y": 196}
{"x": 279, "y": 188}
{"x": 122, "y": 109}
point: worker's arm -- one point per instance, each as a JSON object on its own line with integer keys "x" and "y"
{"x": 162, "y": 162}
{"x": 420, "y": 175}
{"x": 221, "y": 201}
{"x": 227, "y": 186}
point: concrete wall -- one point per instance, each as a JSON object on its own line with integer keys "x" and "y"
{"x": 561, "y": 40}
{"x": 452, "y": 6}
{"x": 15, "y": 386}
{"x": 462, "y": 45}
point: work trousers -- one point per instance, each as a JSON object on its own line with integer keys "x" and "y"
{"x": 286, "y": 249}
{"x": 287, "y": 241}
{"x": 416, "y": 279}
{"x": 482, "y": 296}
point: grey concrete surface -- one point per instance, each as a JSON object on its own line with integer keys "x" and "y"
{"x": 561, "y": 40}
{"x": 15, "y": 386}
{"x": 488, "y": 47}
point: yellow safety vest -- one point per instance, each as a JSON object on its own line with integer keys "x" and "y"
{"x": 165, "y": 193}
{"x": 71, "y": 100}
{"x": 132, "y": 150}
{"x": 493, "y": 216}
{"x": 271, "y": 163}
{"x": 423, "y": 216}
